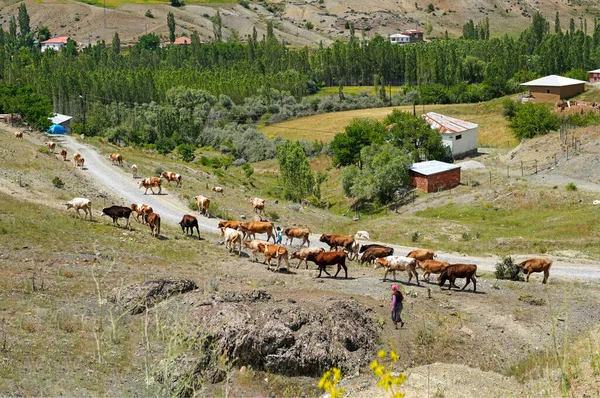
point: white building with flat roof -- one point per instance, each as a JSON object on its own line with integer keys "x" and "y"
{"x": 399, "y": 38}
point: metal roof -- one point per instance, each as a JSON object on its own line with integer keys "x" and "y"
{"x": 446, "y": 124}
{"x": 399, "y": 35}
{"x": 58, "y": 118}
{"x": 57, "y": 40}
{"x": 553, "y": 81}
{"x": 431, "y": 167}
{"x": 182, "y": 40}
{"x": 594, "y": 71}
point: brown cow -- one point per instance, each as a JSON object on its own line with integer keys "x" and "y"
{"x": 51, "y": 145}
{"x": 432, "y": 267}
{"x": 153, "y": 221}
{"x": 344, "y": 241}
{"x": 323, "y": 259}
{"x": 141, "y": 209}
{"x": 274, "y": 251}
{"x": 79, "y": 162}
{"x": 253, "y": 246}
{"x": 187, "y": 223}
{"x": 303, "y": 253}
{"x": 421, "y": 254}
{"x": 454, "y": 271}
{"x": 18, "y": 134}
{"x": 76, "y": 157}
{"x": 171, "y": 176}
{"x": 536, "y": 265}
{"x": 203, "y": 204}
{"x": 228, "y": 224}
{"x": 116, "y": 158}
{"x": 299, "y": 233}
{"x": 251, "y": 228}
{"x": 373, "y": 253}
{"x": 63, "y": 153}
{"x": 151, "y": 182}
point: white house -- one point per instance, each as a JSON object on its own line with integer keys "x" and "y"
{"x": 62, "y": 120}
{"x": 55, "y": 43}
{"x": 399, "y": 38}
{"x": 460, "y": 136}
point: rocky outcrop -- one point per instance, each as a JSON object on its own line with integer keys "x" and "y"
{"x": 294, "y": 338}
{"x": 138, "y": 297}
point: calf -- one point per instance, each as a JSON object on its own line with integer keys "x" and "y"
{"x": 187, "y": 223}
{"x": 421, "y": 254}
{"x": 323, "y": 259}
{"x": 454, "y": 271}
{"x": 365, "y": 247}
{"x": 232, "y": 237}
{"x": 536, "y": 265}
{"x": 171, "y": 176}
{"x": 116, "y": 158}
{"x": 63, "y": 153}
{"x": 116, "y": 212}
{"x": 153, "y": 221}
{"x": 134, "y": 171}
{"x": 299, "y": 233}
{"x": 79, "y": 162}
{"x": 141, "y": 209}
{"x": 51, "y": 145}
{"x": 76, "y": 157}
{"x": 274, "y": 251}
{"x": 80, "y": 204}
{"x": 151, "y": 182}
{"x": 303, "y": 253}
{"x": 373, "y": 253}
{"x": 334, "y": 241}
{"x": 398, "y": 263}
{"x": 432, "y": 267}
{"x": 253, "y": 246}
{"x": 217, "y": 189}
{"x": 203, "y": 205}
{"x": 18, "y": 134}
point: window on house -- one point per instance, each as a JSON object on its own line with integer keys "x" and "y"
{"x": 547, "y": 91}
{"x": 458, "y": 137}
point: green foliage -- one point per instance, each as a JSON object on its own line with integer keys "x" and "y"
{"x": 415, "y": 237}
{"x": 531, "y": 119}
{"x": 358, "y": 134}
{"x": 506, "y": 269}
{"x": 215, "y": 162}
{"x": 177, "y": 3}
{"x": 171, "y": 26}
{"x": 217, "y": 22}
{"x": 165, "y": 145}
{"x": 43, "y": 34}
{"x": 384, "y": 171}
{"x": 33, "y": 107}
{"x": 295, "y": 176}
{"x": 116, "y": 44}
{"x": 57, "y": 182}
{"x": 148, "y": 14}
{"x": 430, "y": 8}
{"x": 273, "y": 216}
{"x": 24, "y": 20}
{"x": 571, "y": 187}
{"x": 578, "y": 73}
{"x": 589, "y": 119}
{"x": 186, "y": 152}
{"x": 248, "y": 170}
{"x": 309, "y": 25}
{"x": 148, "y": 42}
{"x": 413, "y": 135}
{"x": 45, "y": 150}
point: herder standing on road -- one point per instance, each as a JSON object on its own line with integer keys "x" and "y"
{"x": 397, "y": 299}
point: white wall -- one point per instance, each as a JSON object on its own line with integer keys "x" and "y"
{"x": 53, "y": 46}
{"x": 461, "y": 143}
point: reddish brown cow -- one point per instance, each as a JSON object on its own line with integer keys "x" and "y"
{"x": 274, "y": 251}
{"x": 172, "y": 176}
{"x": 63, "y": 153}
{"x": 344, "y": 241}
{"x": 323, "y": 259}
{"x": 151, "y": 182}
{"x": 454, "y": 271}
{"x": 299, "y": 233}
{"x": 432, "y": 267}
{"x": 251, "y": 228}
{"x": 187, "y": 223}
{"x": 116, "y": 158}
{"x": 141, "y": 209}
{"x": 421, "y": 254}
{"x": 536, "y": 265}
{"x": 153, "y": 221}
{"x": 228, "y": 224}
{"x": 373, "y": 253}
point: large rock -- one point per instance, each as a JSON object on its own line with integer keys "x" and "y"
{"x": 138, "y": 297}
{"x": 302, "y": 338}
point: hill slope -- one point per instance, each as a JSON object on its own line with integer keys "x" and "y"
{"x": 85, "y": 22}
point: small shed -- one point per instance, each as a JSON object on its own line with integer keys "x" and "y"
{"x": 553, "y": 88}
{"x": 433, "y": 175}
{"x": 63, "y": 121}
{"x": 595, "y": 76}
{"x": 458, "y": 135}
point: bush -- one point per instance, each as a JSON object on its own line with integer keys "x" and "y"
{"x": 57, "y": 182}
{"x": 164, "y": 145}
{"x": 571, "y": 187}
{"x": 186, "y": 152}
{"x": 248, "y": 170}
{"x": 506, "y": 269}
{"x": 45, "y": 150}
{"x": 192, "y": 204}
{"x": 309, "y": 26}
{"x": 532, "y": 119}
{"x": 158, "y": 171}
{"x": 415, "y": 236}
{"x": 149, "y": 14}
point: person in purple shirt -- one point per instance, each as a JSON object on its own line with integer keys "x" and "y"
{"x": 397, "y": 299}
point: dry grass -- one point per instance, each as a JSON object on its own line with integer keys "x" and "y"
{"x": 119, "y": 3}
{"x": 493, "y": 128}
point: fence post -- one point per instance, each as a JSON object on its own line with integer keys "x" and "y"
{"x": 522, "y": 174}
{"x": 536, "y": 166}
{"x": 567, "y": 152}
{"x": 555, "y": 160}
{"x": 490, "y": 178}
{"x": 507, "y": 170}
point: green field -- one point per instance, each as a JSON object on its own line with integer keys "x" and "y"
{"x": 591, "y": 94}
{"x": 354, "y": 90}
{"x": 493, "y": 128}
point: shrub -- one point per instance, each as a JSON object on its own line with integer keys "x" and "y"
{"x": 57, "y": 182}
{"x": 248, "y": 170}
{"x": 506, "y": 269}
{"x": 273, "y": 215}
{"x": 192, "y": 204}
{"x": 309, "y": 26}
{"x": 158, "y": 171}
{"x": 415, "y": 236}
{"x": 571, "y": 187}
{"x": 164, "y": 145}
{"x": 186, "y": 152}
{"x": 149, "y": 14}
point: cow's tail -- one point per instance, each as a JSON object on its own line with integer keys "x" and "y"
{"x": 157, "y": 227}
{"x": 443, "y": 277}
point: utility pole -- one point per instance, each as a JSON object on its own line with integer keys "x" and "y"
{"x": 104, "y": 14}
{"x": 84, "y": 109}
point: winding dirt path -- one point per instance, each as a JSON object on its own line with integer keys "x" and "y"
{"x": 119, "y": 180}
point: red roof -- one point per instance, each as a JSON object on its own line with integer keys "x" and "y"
{"x": 182, "y": 40}
{"x": 57, "y": 40}
{"x": 413, "y": 32}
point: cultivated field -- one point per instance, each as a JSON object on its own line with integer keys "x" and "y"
{"x": 493, "y": 128}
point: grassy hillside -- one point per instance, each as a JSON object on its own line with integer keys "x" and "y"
{"x": 493, "y": 128}
{"x": 119, "y": 3}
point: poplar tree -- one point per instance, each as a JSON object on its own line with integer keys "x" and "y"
{"x": 557, "y": 29}
{"x": 217, "y": 27}
{"x": 171, "y": 25}
{"x": 23, "y": 20}
{"x": 296, "y": 177}
{"x": 116, "y": 44}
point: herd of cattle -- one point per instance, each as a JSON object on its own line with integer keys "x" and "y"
{"x": 243, "y": 235}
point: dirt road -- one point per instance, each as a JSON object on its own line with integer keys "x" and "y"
{"x": 118, "y": 180}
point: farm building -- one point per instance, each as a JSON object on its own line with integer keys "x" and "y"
{"x": 458, "y": 135}
{"x": 433, "y": 175}
{"x": 553, "y": 88}
{"x": 414, "y": 35}
{"x": 595, "y": 76}
{"x": 63, "y": 121}
{"x": 55, "y": 43}
{"x": 182, "y": 41}
{"x": 399, "y": 38}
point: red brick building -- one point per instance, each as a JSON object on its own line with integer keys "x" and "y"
{"x": 595, "y": 76}
{"x": 434, "y": 175}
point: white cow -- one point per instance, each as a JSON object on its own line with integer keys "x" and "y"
{"x": 232, "y": 236}
{"x": 80, "y": 204}
{"x": 398, "y": 263}
{"x": 134, "y": 171}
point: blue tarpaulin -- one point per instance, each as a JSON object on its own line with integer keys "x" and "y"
{"x": 56, "y": 129}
